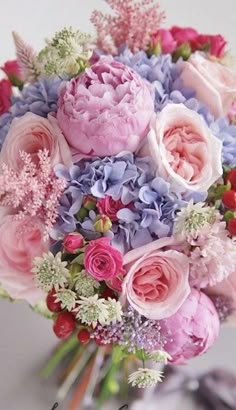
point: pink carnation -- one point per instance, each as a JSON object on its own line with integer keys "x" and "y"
{"x": 20, "y": 242}
{"x": 102, "y": 261}
{"x": 192, "y": 330}
{"x": 105, "y": 110}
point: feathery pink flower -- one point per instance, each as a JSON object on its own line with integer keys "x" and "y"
{"x": 133, "y": 24}
{"x": 32, "y": 191}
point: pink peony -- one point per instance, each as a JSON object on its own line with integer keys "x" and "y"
{"x": 31, "y": 134}
{"x": 184, "y": 150}
{"x": 213, "y": 82}
{"x": 109, "y": 207}
{"x": 184, "y": 35}
{"x": 13, "y": 71}
{"x": 192, "y": 330}
{"x": 105, "y": 110}
{"x": 227, "y": 289}
{"x": 156, "y": 283}
{"x": 163, "y": 39}
{"x": 102, "y": 261}
{"x": 5, "y": 96}
{"x": 20, "y": 241}
{"x": 73, "y": 242}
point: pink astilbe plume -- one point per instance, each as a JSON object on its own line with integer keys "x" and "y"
{"x": 35, "y": 190}
{"x": 133, "y": 24}
{"x": 26, "y": 58}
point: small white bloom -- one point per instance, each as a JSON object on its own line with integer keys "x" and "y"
{"x": 191, "y": 219}
{"x": 143, "y": 378}
{"x": 85, "y": 285}
{"x": 50, "y": 271}
{"x": 160, "y": 356}
{"x": 114, "y": 310}
{"x": 67, "y": 298}
{"x": 92, "y": 310}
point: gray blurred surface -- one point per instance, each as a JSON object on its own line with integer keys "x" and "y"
{"x": 26, "y": 338}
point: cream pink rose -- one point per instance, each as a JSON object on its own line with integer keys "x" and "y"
{"x": 213, "y": 82}
{"x": 32, "y": 133}
{"x": 20, "y": 241}
{"x": 156, "y": 284}
{"x": 184, "y": 150}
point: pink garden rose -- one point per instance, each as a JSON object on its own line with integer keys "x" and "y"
{"x": 32, "y": 133}
{"x": 102, "y": 261}
{"x": 213, "y": 82}
{"x": 20, "y": 241}
{"x": 5, "y": 95}
{"x": 164, "y": 40}
{"x": 73, "y": 242}
{"x": 156, "y": 283}
{"x": 105, "y": 110}
{"x": 184, "y": 150}
{"x": 192, "y": 330}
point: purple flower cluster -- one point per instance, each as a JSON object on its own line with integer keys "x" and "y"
{"x": 122, "y": 177}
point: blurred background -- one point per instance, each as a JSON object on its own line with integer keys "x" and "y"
{"x": 26, "y": 338}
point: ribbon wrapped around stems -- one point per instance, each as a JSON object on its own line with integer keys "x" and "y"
{"x": 214, "y": 390}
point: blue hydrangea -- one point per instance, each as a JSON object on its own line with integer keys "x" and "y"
{"x": 122, "y": 177}
{"x": 227, "y": 134}
{"x": 39, "y": 98}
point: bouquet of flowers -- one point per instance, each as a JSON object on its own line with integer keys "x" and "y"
{"x": 118, "y": 194}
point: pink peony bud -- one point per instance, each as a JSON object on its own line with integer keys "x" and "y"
{"x": 73, "y": 242}
{"x": 192, "y": 330}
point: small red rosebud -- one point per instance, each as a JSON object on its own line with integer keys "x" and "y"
{"x": 73, "y": 242}
{"x": 52, "y": 305}
{"x": 232, "y": 226}
{"x": 64, "y": 325}
{"x": 83, "y": 336}
{"x": 231, "y": 177}
{"x": 229, "y": 199}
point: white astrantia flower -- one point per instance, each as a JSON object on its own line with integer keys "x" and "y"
{"x": 67, "y": 298}
{"x": 67, "y": 52}
{"x": 85, "y": 285}
{"x": 191, "y": 219}
{"x": 92, "y": 310}
{"x": 143, "y": 378}
{"x": 50, "y": 271}
{"x": 160, "y": 356}
{"x": 114, "y": 310}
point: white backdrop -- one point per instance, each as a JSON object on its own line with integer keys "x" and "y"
{"x": 26, "y": 338}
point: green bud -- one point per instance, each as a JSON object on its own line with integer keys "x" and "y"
{"x": 113, "y": 386}
{"x": 89, "y": 203}
{"x": 102, "y": 223}
{"x": 83, "y": 212}
{"x": 229, "y": 215}
{"x": 155, "y": 49}
{"x": 183, "y": 51}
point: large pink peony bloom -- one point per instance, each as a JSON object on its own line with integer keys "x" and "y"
{"x": 156, "y": 284}
{"x": 20, "y": 241}
{"x": 184, "y": 150}
{"x": 32, "y": 133}
{"x": 192, "y": 330}
{"x": 213, "y": 82}
{"x": 105, "y": 110}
